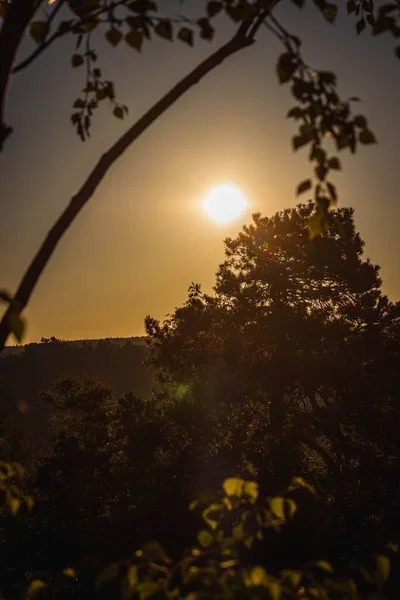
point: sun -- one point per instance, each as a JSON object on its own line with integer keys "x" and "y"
{"x": 225, "y": 203}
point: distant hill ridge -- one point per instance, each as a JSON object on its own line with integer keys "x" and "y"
{"x": 118, "y": 341}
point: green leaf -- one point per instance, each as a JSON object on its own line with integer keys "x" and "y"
{"x": 292, "y": 577}
{"x": 34, "y": 588}
{"x": 360, "y": 26}
{"x": 132, "y": 577}
{"x": 69, "y": 572}
{"x": 330, "y": 12}
{"x": 14, "y": 504}
{"x": 186, "y": 35}
{"x": 382, "y": 568}
{"x": 113, "y": 36}
{"x": 134, "y": 38}
{"x": 255, "y": 577}
{"x": 205, "y": 538}
{"x": 303, "y": 186}
{"x": 118, "y": 112}
{"x": 212, "y": 515}
{"x": 250, "y": 489}
{"x": 277, "y": 506}
{"x": 233, "y": 486}
{"x": 323, "y": 565}
{"x": 38, "y": 31}
{"x": 334, "y": 163}
{"x": 367, "y": 137}
{"x": 164, "y": 29}
{"x": 291, "y": 507}
{"x": 213, "y": 8}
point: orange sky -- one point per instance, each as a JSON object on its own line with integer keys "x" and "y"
{"x": 143, "y": 238}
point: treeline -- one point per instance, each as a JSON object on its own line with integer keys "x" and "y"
{"x": 291, "y": 366}
{"x": 24, "y": 375}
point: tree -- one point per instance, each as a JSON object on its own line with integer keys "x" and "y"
{"x": 319, "y": 110}
{"x": 296, "y": 342}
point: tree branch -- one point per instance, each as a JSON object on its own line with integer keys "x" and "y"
{"x": 28, "y": 283}
{"x": 18, "y": 16}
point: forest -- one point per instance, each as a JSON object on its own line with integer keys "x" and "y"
{"x": 283, "y": 383}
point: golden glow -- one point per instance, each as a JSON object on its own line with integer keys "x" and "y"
{"x": 225, "y": 203}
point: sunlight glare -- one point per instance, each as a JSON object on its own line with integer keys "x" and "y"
{"x": 225, "y": 203}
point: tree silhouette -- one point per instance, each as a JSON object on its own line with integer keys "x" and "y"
{"x": 295, "y": 341}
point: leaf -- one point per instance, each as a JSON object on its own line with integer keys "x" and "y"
{"x": 34, "y": 588}
{"x": 256, "y": 576}
{"x": 295, "y": 112}
{"x": 300, "y": 140}
{"x": 213, "y": 8}
{"x": 205, "y": 538}
{"x": 382, "y": 568}
{"x": 79, "y": 103}
{"x": 315, "y": 226}
{"x": 291, "y": 507}
{"x": 113, "y": 36}
{"x": 334, "y": 163}
{"x": 132, "y": 577}
{"x": 110, "y": 572}
{"x": 351, "y": 7}
{"x": 69, "y": 572}
{"x": 332, "y": 191}
{"x": 14, "y": 504}
{"x": 250, "y": 489}
{"x": 16, "y": 325}
{"x": 323, "y": 565}
{"x": 277, "y": 505}
{"x": 164, "y": 29}
{"x": 134, "y": 38}
{"x": 186, "y": 35}
{"x": 360, "y": 26}
{"x": 233, "y": 486}
{"x": 303, "y": 186}
{"x": 5, "y": 296}
{"x": 38, "y": 31}
{"x": 193, "y": 504}
{"x": 367, "y": 137}
{"x": 285, "y": 67}
{"x": 274, "y": 588}
{"x": 118, "y": 112}
{"x": 212, "y": 515}
{"x": 293, "y": 577}
{"x": 76, "y": 60}
{"x": 330, "y": 12}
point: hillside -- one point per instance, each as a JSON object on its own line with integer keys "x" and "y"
{"x": 26, "y": 370}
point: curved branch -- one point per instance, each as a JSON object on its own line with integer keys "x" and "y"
{"x": 28, "y": 283}
{"x": 19, "y": 14}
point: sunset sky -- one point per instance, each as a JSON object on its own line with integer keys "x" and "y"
{"x": 143, "y": 238}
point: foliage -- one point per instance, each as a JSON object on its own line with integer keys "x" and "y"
{"x": 217, "y": 566}
{"x": 294, "y": 347}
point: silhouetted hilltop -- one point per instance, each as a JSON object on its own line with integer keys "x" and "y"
{"x": 26, "y": 370}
